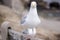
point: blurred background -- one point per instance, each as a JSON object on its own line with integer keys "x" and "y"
{"x": 50, "y": 8}
{"x": 48, "y": 11}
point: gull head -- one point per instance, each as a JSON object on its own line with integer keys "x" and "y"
{"x": 33, "y": 4}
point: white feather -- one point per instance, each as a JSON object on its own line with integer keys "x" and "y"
{"x": 32, "y": 19}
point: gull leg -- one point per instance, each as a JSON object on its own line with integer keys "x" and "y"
{"x": 34, "y": 31}
{"x": 31, "y": 31}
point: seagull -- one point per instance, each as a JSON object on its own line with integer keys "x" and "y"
{"x": 31, "y": 19}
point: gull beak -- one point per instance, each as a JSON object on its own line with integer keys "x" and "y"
{"x": 33, "y": 4}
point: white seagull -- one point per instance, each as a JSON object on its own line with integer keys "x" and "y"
{"x": 32, "y": 19}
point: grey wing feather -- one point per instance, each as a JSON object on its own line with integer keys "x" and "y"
{"x": 23, "y": 20}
